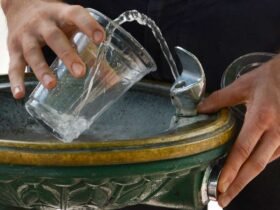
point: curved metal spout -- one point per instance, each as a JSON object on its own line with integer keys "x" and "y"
{"x": 189, "y": 88}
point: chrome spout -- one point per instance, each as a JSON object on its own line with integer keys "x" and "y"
{"x": 189, "y": 87}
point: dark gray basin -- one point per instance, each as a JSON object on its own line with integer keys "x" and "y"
{"x": 138, "y": 114}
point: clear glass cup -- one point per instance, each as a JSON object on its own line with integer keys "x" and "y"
{"x": 74, "y": 104}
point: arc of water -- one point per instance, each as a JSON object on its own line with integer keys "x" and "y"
{"x": 127, "y": 16}
{"x": 142, "y": 19}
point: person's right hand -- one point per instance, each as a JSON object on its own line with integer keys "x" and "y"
{"x": 35, "y": 23}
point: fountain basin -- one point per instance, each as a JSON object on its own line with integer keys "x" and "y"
{"x": 129, "y": 156}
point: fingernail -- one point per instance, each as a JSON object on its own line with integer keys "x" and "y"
{"x": 98, "y": 36}
{"x": 48, "y": 81}
{"x": 78, "y": 69}
{"x": 18, "y": 92}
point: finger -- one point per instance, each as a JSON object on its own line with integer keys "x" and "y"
{"x": 60, "y": 44}
{"x": 105, "y": 72}
{"x": 109, "y": 76}
{"x": 253, "y": 166}
{"x": 276, "y": 155}
{"x": 80, "y": 17}
{"x": 16, "y": 75}
{"x": 234, "y": 94}
{"x": 35, "y": 58}
{"x": 250, "y": 133}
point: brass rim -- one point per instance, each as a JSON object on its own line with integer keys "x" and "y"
{"x": 164, "y": 147}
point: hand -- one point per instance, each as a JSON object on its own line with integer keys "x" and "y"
{"x": 34, "y": 23}
{"x": 258, "y": 142}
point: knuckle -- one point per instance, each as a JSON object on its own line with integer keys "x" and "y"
{"x": 40, "y": 70}
{"x": 231, "y": 167}
{"x": 234, "y": 170}
{"x": 12, "y": 43}
{"x": 34, "y": 21}
{"x": 264, "y": 117}
{"x": 52, "y": 34}
{"x": 88, "y": 23}
{"x": 30, "y": 49}
{"x": 41, "y": 66}
{"x": 258, "y": 165}
{"x": 243, "y": 150}
{"x": 65, "y": 54}
{"x": 259, "y": 125}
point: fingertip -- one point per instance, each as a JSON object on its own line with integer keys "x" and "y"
{"x": 18, "y": 92}
{"x": 225, "y": 201}
{"x": 49, "y": 81}
{"x": 78, "y": 70}
{"x": 200, "y": 106}
{"x": 206, "y": 106}
{"x": 85, "y": 22}
{"x": 223, "y": 186}
{"x": 224, "y": 180}
{"x": 220, "y": 203}
{"x": 98, "y": 36}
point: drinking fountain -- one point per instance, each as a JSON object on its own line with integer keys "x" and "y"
{"x": 151, "y": 147}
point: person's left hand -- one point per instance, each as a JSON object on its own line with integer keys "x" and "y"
{"x": 258, "y": 142}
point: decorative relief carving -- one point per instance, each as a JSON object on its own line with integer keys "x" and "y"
{"x": 83, "y": 193}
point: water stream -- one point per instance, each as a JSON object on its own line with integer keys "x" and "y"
{"x": 142, "y": 19}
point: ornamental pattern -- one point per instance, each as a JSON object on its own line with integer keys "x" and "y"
{"x": 84, "y": 193}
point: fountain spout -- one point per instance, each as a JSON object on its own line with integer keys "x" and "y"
{"x": 189, "y": 87}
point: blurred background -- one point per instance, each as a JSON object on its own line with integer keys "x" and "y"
{"x": 4, "y": 56}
